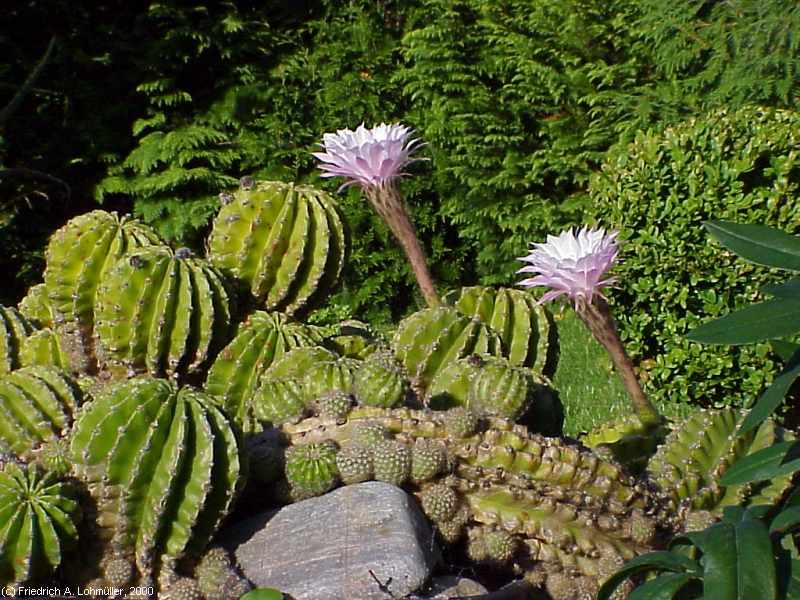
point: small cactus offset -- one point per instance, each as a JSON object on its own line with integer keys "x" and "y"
{"x": 627, "y": 440}
{"x": 161, "y": 312}
{"x": 428, "y": 340}
{"x": 262, "y": 340}
{"x": 379, "y": 381}
{"x": 284, "y": 243}
{"x": 525, "y": 327}
{"x": 689, "y": 464}
{"x": 79, "y": 257}
{"x": 35, "y": 307}
{"x": 37, "y": 405}
{"x": 38, "y": 522}
{"x": 163, "y": 466}
{"x": 14, "y": 328}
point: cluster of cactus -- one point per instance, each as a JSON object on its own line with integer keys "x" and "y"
{"x": 553, "y": 509}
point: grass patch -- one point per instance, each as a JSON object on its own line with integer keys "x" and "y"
{"x": 590, "y": 389}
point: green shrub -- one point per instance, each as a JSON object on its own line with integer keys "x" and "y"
{"x": 739, "y": 166}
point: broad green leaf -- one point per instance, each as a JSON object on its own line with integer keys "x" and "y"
{"x": 788, "y": 289}
{"x": 793, "y": 587}
{"x": 737, "y": 561}
{"x": 653, "y": 561}
{"x": 784, "y": 349}
{"x": 785, "y": 520}
{"x": 663, "y": 587}
{"x": 768, "y": 320}
{"x": 758, "y": 243}
{"x": 263, "y": 594}
{"x": 778, "y": 459}
{"x": 773, "y": 396}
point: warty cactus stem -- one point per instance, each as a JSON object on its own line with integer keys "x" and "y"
{"x": 596, "y": 315}
{"x": 389, "y": 204}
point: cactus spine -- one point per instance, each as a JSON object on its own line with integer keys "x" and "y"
{"x": 14, "y": 328}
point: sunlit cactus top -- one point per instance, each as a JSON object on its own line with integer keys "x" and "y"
{"x": 572, "y": 264}
{"x": 368, "y": 157}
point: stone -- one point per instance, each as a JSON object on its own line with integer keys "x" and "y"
{"x": 365, "y": 541}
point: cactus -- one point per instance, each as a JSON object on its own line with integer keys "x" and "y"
{"x": 698, "y": 452}
{"x": 262, "y": 340}
{"x": 327, "y": 376}
{"x": 627, "y": 440}
{"x": 79, "y": 257}
{"x": 163, "y": 466}
{"x": 379, "y": 381}
{"x": 428, "y": 340}
{"x": 43, "y": 347}
{"x": 14, "y": 328}
{"x": 161, "y": 312}
{"x": 35, "y": 306}
{"x": 276, "y": 403}
{"x": 354, "y": 339}
{"x": 38, "y": 517}
{"x": 525, "y": 327}
{"x": 37, "y": 405}
{"x": 311, "y": 469}
{"x": 284, "y": 243}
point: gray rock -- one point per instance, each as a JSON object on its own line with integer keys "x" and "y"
{"x": 359, "y": 542}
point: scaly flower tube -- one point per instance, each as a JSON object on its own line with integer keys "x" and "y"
{"x": 374, "y": 159}
{"x": 575, "y": 266}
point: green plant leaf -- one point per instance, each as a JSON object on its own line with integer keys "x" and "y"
{"x": 653, "y": 561}
{"x": 773, "y": 396}
{"x": 663, "y": 587}
{"x": 737, "y": 560}
{"x": 778, "y": 459}
{"x": 263, "y": 594}
{"x": 784, "y": 349}
{"x": 768, "y": 320}
{"x": 758, "y": 243}
{"x": 787, "y": 289}
{"x": 785, "y": 520}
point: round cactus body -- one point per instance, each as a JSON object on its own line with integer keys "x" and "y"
{"x": 428, "y": 340}
{"x": 524, "y": 326}
{"x": 162, "y": 464}
{"x": 43, "y": 347}
{"x": 329, "y": 376}
{"x": 428, "y": 459}
{"x": 335, "y": 405}
{"x": 14, "y": 328}
{"x": 36, "y": 405}
{"x": 38, "y": 516}
{"x": 284, "y": 243}
{"x": 499, "y": 389}
{"x": 379, "y": 381}
{"x": 161, "y": 314}
{"x": 261, "y": 341}
{"x": 311, "y": 469}
{"x": 79, "y": 257}
{"x": 392, "y": 461}
{"x": 35, "y": 306}
{"x": 278, "y": 402}
{"x": 354, "y": 339}
{"x": 355, "y": 464}
{"x": 296, "y": 363}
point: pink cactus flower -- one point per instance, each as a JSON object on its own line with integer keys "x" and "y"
{"x": 572, "y": 265}
{"x": 368, "y": 157}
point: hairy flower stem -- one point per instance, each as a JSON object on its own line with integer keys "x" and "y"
{"x": 597, "y": 317}
{"x": 390, "y": 206}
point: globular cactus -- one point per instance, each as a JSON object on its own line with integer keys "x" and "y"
{"x": 35, "y": 306}
{"x": 14, "y": 328}
{"x": 161, "y": 312}
{"x": 43, "y": 347}
{"x": 276, "y": 403}
{"x": 627, "y": 440}
{"x": 261, "y": 341}
{"x": 428, "y": 340}
{"x": 163, "y": 466}
{"x": 379, "y": 381}
{"x": 37, "y": 404}
{"x": 354, "y": 339}
{"x": 217, "y": 578}
{"x": 38, "y": 522}
{"x": 311, "y": 469}
{"x": 79, "y": 257}
{"x": 327, "y": 376}
{"x": 284, "y": 243}
{"x": 697, "y": 453}
{"x": 526, "y": 328}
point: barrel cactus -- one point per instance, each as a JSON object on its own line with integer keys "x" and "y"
{"x": 79, "y": 257}
{"x": 161, "y": 312}
{"x": 37, "y": 405}
{"x": 284, "y": 243}
{"x": 379, "y": 381}
{"x": 163, "y": 466}
{"x": 525, "y": 327}
{"x": 35, "y": 306}
{"x": 38, "y": 518}
{"x": 428, "y": 340}
{"x": 14, "y": 328}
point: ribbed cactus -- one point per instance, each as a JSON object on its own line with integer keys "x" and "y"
{"x": 163, "y": 466}
{"x": 35, "y": 306}
{"x": 698, "y": 452}
{"x": 38, "y": 517}
{"x": 161, "y": 312}
{"x": 428, "y": 340}
{"x": 525, "y": 328}
{"x": 79, "y": 257}
{"x": 14, "y": 328}
{"x": 354, "y": 339}
{"x": 284, "y": 243}
{"x": 43, "y": 347}
{"x": 379, "y": 381}
{"x": 555, "y": 506}
{"x": 627, "y": 440}
{"x": 37, "y": 404}
{"x": 263, "y": 339}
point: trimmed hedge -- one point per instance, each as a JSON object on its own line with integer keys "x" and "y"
{"x": 740, "y": 166}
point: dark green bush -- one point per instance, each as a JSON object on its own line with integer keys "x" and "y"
{"x": 740, "y": 166}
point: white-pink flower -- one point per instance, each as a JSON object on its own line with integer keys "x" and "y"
{"x": 572, "y": 265}
{"x": 368, "y": 157}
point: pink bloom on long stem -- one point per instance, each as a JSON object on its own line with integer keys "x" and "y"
{"x": 572, "y": 265}
{"x": 368, "y": 157}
